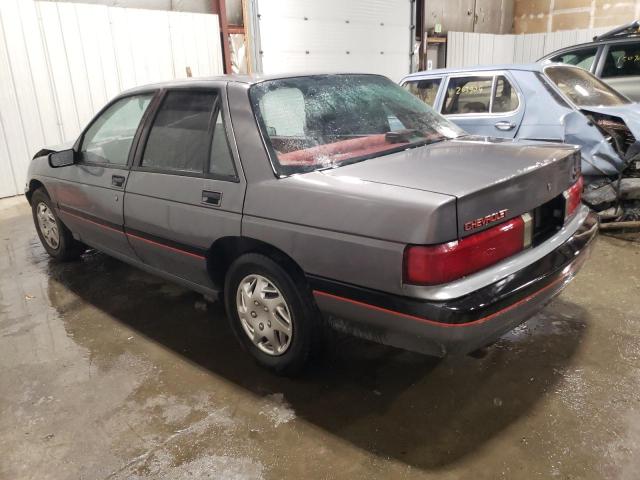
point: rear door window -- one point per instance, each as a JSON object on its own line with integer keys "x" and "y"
{"x": 180, "y": 137}
{"x": 425, "y": 90}
{"x": 468, "y": 95}
{"x": 622, "y": 61}
{"x": 582, "y": 58}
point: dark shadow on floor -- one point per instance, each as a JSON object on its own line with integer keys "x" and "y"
{"x": 421, "y": 411}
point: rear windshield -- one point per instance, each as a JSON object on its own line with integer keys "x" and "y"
{"x": 326, "y": 121}
{"x": 583, "y": 89}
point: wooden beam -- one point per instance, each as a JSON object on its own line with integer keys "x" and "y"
{"x": 220, "y": 8}
{"x": 235, "y": 29}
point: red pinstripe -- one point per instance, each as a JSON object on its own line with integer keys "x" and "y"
{"x": 195, "y": 255}
{"x": 131, "y": 235}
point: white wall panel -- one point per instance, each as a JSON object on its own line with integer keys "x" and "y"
{"x": 61, "y": 62}
{"x": 12, "y": 124}
{"x": 40, "y": 73}
{"x": 335, "y": 35}
{"x": 8, "y": 185}
{"x": 468, "y": 49}
{"x": 26, "y": 129}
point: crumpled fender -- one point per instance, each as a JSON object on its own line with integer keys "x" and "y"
{"x": 598, "y": 156}
{"x": 629, "y": 113}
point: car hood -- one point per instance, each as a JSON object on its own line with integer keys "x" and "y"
{"x": 485, "y": 175}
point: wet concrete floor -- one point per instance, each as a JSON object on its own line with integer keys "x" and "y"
{"x": 107, "y": 372}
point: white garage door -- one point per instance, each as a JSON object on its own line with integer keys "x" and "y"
{"x": 371, "y": 36}
{"x": 61, "y": 62}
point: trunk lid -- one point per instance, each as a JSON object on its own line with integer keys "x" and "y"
{"x": 493, "y": 180}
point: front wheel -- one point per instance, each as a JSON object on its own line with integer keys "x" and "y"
{"x": 273, "y": 318}
{"x": 56, "y": 238}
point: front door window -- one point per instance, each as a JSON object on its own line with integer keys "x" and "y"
{"x": 108, "y": 140}
{"x": 580, "y": 58}
{"x": 425, "y": 90}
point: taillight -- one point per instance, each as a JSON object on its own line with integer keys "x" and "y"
{"x": 573, "y": 197}
{"x": 436, "y": 264}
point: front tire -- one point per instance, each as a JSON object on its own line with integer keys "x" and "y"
{"x": 56, "y": 238}
{"x": 272, "y": 315}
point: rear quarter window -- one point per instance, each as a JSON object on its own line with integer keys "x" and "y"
{"x": 505, "y": 97}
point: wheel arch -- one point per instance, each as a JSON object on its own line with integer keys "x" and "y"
{"x": 35, "y": 184}
{"x": 224, "y": 251}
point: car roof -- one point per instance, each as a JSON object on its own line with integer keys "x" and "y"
{"x": 595, "y": 43}
{"x": 530, "y": 67}
{"x": 249, "y": 79}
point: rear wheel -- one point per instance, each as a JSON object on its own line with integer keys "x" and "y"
{"x": 56, "y": 238}
{"x": 272, "y": 316}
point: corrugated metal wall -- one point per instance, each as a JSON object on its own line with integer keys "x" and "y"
{"x": 61, "y": 62}
{"x": 335, "y": 35}
{"x": 468, "y": 49}
{"x": 194, "y": 6}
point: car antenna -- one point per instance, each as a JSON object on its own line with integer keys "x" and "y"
{"x": 628, "y": 29}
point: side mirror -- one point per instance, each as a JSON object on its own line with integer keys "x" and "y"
{"x": 63, "y": 158}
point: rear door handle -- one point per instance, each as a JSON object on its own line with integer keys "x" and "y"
{"x": 211, "y": 198}
{"x": 117, "y": 180}
{"x": 505, "y": 126}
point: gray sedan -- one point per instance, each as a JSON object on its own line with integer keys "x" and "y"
{"x": 307, "y": 201}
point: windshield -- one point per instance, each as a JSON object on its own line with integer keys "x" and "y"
{"x": 325, "y": 121}
{"x": 583, "y": 89}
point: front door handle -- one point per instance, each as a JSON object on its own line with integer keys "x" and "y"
{"x": 505, "y": 126}
{"x": 211, "y": 198}
{"x": 117, "y": 180}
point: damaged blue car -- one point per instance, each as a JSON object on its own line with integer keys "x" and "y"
{"x": 551, "y": 103}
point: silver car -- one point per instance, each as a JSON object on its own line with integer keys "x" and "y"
{"x": 613, "y": 56}
{"x": 306, "y": 201}
{"x": 558, "y": 103}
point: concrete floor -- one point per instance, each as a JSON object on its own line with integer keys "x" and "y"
{"x": 107, "y": 372}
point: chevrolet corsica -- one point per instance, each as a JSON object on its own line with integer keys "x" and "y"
{"x": 305, "y": 201}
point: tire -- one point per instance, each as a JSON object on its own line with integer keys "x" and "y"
{"x": 66, "y": 248}
{"x": 288, "y": 351}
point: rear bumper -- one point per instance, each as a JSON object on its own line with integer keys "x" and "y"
{"x": 463, "y": 324}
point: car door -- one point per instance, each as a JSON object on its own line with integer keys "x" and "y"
{"x": 185, "y": 190}
{"x": 620, "y": 68}
{"x": 486, "y": 104}
{"x": 90, "y": 192}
